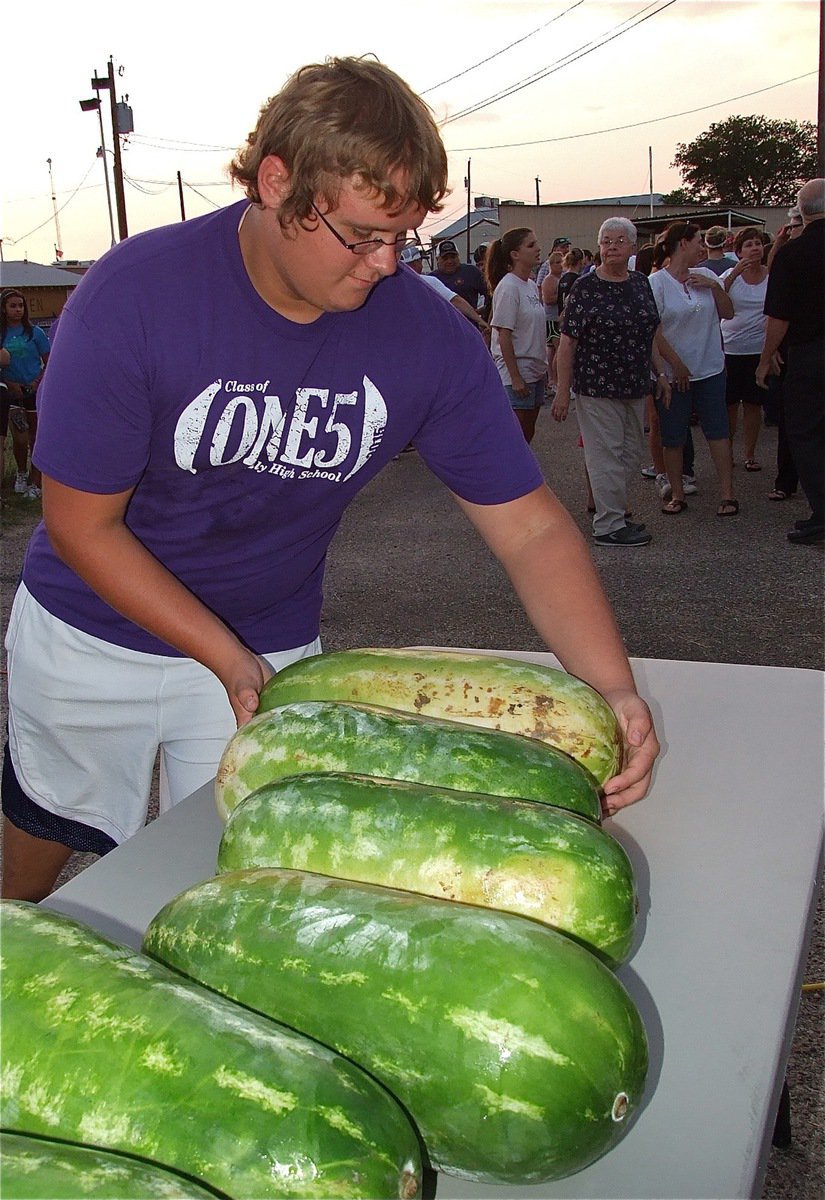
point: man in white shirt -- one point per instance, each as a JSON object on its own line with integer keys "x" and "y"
{"x": 413, "y": 256}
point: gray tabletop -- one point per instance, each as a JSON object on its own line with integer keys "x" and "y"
{"x": 727, "y": 851}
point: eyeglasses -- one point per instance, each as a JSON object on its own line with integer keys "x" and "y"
{"x": 370, "y": 246}
{"x": 619, "y": 241}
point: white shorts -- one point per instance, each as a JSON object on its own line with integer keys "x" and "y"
{"x": 86, "y": 721}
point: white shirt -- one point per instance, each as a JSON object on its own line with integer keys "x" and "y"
{"x": 744, "y": 333}
{"x": 439, "y": 288}
{"x": 690, "y": 322}
{"x": 517, "y": 306}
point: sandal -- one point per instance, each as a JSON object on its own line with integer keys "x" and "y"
{"x": 673, "y": 507}
{"x": 728, "y": 508}
{"x": 778, "y": 494}
{"x": 752, "y": 465}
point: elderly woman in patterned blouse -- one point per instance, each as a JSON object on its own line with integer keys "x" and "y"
{"x": 608, "y": 336}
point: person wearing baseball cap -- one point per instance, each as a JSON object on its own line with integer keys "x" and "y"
{"x": 413, "y": 256}
{"x": 464, "y": 279}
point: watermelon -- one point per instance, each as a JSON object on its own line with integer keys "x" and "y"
{"x": 496, "y": 692}
{"x": 518, "y": 1054}
{"x": 33, "y": 1168}
{"x": 503, "y": 853}
{"x": 320, "y": 736}
{"x": 103, "y": 1046}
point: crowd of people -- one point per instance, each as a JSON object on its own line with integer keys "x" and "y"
{"x": 657, "y": 340}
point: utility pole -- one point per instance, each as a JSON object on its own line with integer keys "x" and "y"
{"x": 467, "y": 185}
{"x": 538, "y": 197}
{"x": 120, "y": 195}
{"x": 58, "y": 249}
{"x": 180, "y": 197}
{"x": 820, "y": 112}
{"x": 99, "y": 83}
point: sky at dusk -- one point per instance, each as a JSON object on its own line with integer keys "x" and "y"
{"x": 572, "y": 91}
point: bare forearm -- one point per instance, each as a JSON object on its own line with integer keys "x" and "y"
{"x": 550, "y": 568}
{"x": 554, "y": 577}
{"x": 469, "y": 312}
{"x": 723, "y": 302}
{"x": 565, "y": 357}
{"x": 124, "y": 574}
{"x": 505, "y": 341}
{"x": 775, "y": 331}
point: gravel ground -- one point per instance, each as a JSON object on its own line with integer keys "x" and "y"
{"x": 406, "y": 569}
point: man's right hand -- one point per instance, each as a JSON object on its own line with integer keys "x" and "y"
{"x": 243, "y": 685}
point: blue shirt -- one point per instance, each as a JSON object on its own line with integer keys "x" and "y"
{"x": 27, "y": 354}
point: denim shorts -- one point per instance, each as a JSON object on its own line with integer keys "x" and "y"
{"x": 534, "y": 397}
{"x": 707, "y": 397}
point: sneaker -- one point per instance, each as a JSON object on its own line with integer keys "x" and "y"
{"x": 624, "y": 537}
{"x": 33, "y": 492}
{"x": 638, "y": 526}
{"x": 689, "y": 485}
{"x": 21, "y": 483}
{"x": 663, "y": 487}
{"x": 649, "y": 472}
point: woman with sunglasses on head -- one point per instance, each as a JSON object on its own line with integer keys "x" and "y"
{"x": 742, "y": 336}
{"x": 691, "y": 303}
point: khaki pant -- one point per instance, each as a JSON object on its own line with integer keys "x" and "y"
{"x": 613, "y": 436}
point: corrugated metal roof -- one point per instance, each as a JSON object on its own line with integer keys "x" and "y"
{"x": 28, "y": 274}
{"x": 718, "y": 216}
{"x": 658, "y": 198}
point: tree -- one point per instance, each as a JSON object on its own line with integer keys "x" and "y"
{"x": 750, "y": 161}
{"x": 678, "y": 196}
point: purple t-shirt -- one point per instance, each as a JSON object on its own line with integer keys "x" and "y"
{"x": 244, "y": 434}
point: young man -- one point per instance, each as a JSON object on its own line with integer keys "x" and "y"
{"x": 219, "y": 392}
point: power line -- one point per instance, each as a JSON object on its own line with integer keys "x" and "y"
{"x": 634, "y": 125}
{"x": 43, "y": 224}
{"x": 503, "y": 50}
{"x": 192, "y": 188}
{"x": 179, "y": 146}
{"x": 565, "y": 61}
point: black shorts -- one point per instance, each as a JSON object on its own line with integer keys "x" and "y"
{"x": 553, "y": 330}
{"x": 740, "y": 388}
{"x": 31, "y": 818}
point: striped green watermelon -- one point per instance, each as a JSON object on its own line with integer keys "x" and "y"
{"x": 482, "y": 689}
{"x": 103, "y": 1046}
{"x": 517, "y": 1053}
{"x": 320, "y": 736}
{"x": 491, "y": 850}
{"x": 33, "y": 1168}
